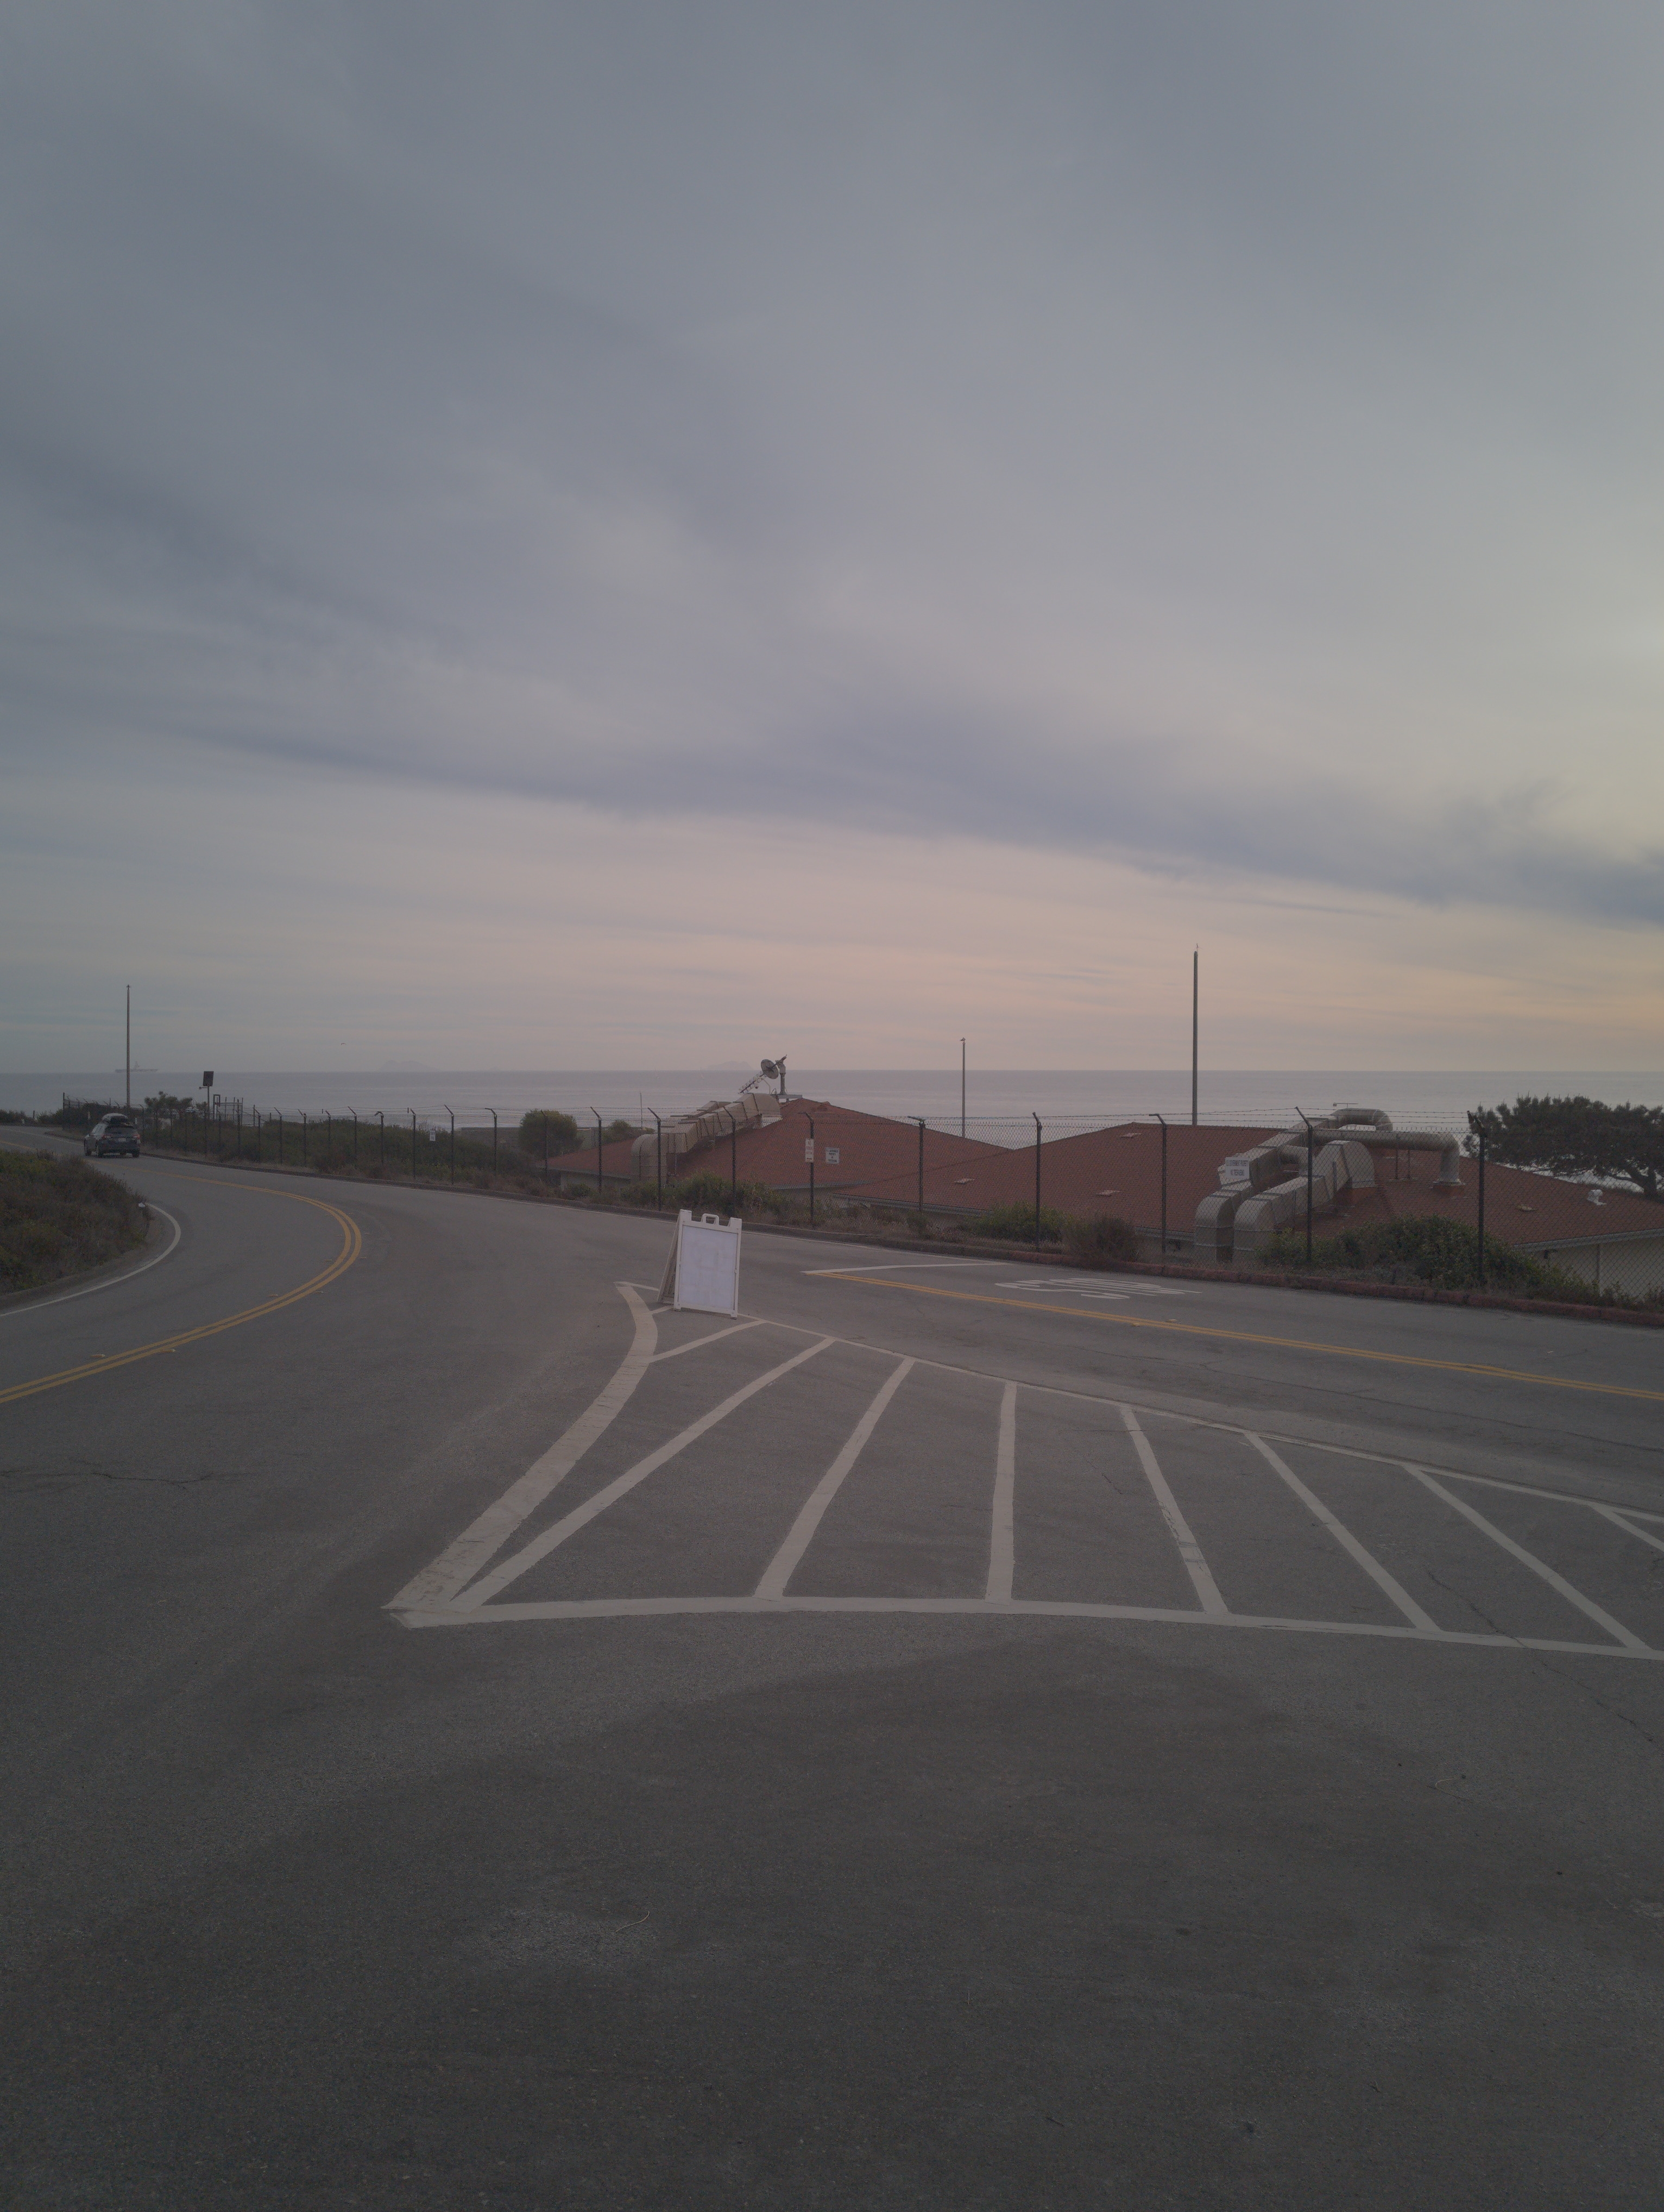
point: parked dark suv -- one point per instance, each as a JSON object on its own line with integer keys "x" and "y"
{"x": 115, "y": 1133}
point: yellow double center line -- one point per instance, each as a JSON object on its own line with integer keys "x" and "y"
{"x": 352, "y": 1243}
{"x": 1242, "y": 1336}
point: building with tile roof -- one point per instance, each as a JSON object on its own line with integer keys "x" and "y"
{"x": 1610, "y": 1237}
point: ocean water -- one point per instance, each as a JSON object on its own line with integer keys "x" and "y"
{"x": 1257, "y": 1096}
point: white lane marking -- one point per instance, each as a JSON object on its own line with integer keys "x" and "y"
{"x": 1621, "y": 1519}
{"x": 1631, "y": 1641}
{"x": 1002, "y": 1535}
{"x": 540, "y": 1546}
{"x": 699, "y": 1343}
{"x": 115, "y": 1282}
{"x": 1372, "y": 1567}
{"x": 1052, "y": 1283}
{"x": 780, "y": 1570}
{"x": 1178, "y": 1527}
{"x": 899, "y": 1267}
{"x": 1193, "y": 1421}
{"x": 625, "y": 1608}
{"x": 458, "y": 1564}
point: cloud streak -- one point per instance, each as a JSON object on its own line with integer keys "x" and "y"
{"x": 1222, "y": 442}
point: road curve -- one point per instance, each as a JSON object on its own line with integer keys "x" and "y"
{"x": 747, "y": 1841}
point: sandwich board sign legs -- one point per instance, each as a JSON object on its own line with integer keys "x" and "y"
{"x": 702, "y": 1274}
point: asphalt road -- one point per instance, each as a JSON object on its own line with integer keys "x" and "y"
{"x": 969, "y": 1737}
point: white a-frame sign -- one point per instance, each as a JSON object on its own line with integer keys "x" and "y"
{"x": 702, "y": 1273}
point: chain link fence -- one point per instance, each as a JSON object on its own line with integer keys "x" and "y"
{"x": 1344, "y": 1190}
{"x": 1349, "y": 1191}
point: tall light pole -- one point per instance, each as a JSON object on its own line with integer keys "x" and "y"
{"x": 1195, "y": 1006}
{"x": 962, "y": 1086}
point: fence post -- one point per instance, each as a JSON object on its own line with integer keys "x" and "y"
{"x": 280, "y": 1140}
{"x": 1161, "y": 1118}
{"x": 658, "y": 1161}
{"x": 492, "y": 1111}
{"x": 453, "y": 1141}
{"x": 328, "y": 1137}
{"x": 1482, "y": 1206}
{"x": 381, "y": 1127}
{"x": 1036, "y": 1122}
{"x": 920, "y": 1118}
{"x": 352, "y": 1110}
{"x": 811, "y": 1170}
{"x": 1310, "y": 1149}
{"x": 413, "y": 1143}
{"x": 598, "y": 1187}
{"x": 545, "y": 1148}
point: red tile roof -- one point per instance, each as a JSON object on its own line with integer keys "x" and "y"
{"x": 1116, "y": 1170}
{"x": 873, "y": 1151}
{"x": 1521, "y": 1207}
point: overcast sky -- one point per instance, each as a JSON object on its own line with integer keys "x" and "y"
{"x": 620, "y": 535}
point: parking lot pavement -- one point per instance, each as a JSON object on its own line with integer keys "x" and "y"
{"x": 763, "y": 1467}
{"x": 994, "y": 1741}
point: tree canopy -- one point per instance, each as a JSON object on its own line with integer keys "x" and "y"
{"x": 561, "y": 1127}
{"x": 1577, "y": 1136}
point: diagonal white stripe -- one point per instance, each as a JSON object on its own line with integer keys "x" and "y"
{"x": 540, "y": 1546}
{"x": 1178, "y": 1527}
{"x": 456, "y": 1565}
{"x": 1002, "y": 1534}
{"x": 780, "y": 1569}
{"x": 1371, "y": 1565}
{"x": 1629, "y": 1641}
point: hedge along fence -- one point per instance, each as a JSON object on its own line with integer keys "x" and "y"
{"x": 1446, "y": 1255}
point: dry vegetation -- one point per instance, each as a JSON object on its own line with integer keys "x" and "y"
{"x": 58, "y": 1217}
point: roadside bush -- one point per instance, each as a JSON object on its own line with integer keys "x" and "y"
{"x": 1017, "y": 1223}
{"x": 1444, "y": 1254}
{"x": 1098, "y": 1240}
{"x": 710, "y": 1194}
{"x": 59, "y": 1217}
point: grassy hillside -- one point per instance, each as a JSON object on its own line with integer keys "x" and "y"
{"x": 59, "y": 1217}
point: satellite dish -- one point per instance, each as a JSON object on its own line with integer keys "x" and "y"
{"x": 773, "y": 1070}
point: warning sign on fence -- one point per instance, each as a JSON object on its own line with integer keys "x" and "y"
{"x": 703, "y": 1271}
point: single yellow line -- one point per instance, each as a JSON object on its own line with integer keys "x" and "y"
{"x": 1242, "y": 1336}
{"x": 352, "y": 1243}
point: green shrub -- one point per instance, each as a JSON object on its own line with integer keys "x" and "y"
{"x": 1425, "y": 1249}
{"x": 711, "y": 1192}
{"x": 80, "y": 1114}
{"x": 562, "y": 1130}
{"x": 1017, "y": 1223}
{"x": 1098, "y": 1240}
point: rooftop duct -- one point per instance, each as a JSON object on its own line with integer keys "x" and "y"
{"x": 686, "y": 1132}
{"x": 1263, "y": 1190}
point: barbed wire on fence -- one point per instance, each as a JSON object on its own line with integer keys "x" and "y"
{"x": 1350, "y": 1190}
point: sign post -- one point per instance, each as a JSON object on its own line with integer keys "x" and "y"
{"x": 702, "y": 1274}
